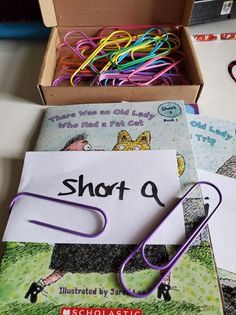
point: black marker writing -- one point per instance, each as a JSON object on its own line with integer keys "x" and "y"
{"x": 66, "y": 183}
{"x": 100, "y": 190}
{"x": 154, "y": 192}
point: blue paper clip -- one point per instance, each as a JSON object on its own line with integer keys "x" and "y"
{"x": 169, "y": 266}
{"x": 66, "y": 202}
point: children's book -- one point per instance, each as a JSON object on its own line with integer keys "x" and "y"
{"x": 81, "y": 279}
{"x": 214, "y": 146}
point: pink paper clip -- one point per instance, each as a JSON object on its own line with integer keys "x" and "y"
{"x": 145, "y": 67}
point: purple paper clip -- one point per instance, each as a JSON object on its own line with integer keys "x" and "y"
{"x": 166, "y": 269}
{"x": 66, "y": 202}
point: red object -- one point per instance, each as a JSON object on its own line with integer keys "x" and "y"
{"x": 99, "y": 311}
{"x": 226, "y": 36}
{"x": 212, "y": 37}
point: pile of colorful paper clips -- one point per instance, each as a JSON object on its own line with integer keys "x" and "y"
{"x": 131, "y": 56}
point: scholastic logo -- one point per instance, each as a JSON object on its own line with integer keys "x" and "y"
{"x": 99, "y": 311}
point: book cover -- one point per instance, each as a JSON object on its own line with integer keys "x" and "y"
{"x": 38, "y": 278}
{"x": 214, "y": 146}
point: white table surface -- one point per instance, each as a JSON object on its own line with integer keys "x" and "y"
{"x": 21, "y": 110}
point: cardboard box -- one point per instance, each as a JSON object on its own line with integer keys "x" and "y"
{"x": 90, "y": 16}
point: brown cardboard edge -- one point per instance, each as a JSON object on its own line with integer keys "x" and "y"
{"x": 199, "y": 72}
{"x": 89, "y": 95}
{"x": 41, "y": 94}
{"x": 187, "y": 12}
{"x": 48, "y": 12}
{"x": 52, "y": 38}
{"x": 199, "y": 92}
{"x": 51, "y": 41}
{"x": 192, "y": 54}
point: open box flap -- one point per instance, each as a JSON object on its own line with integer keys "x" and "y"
{"x": 71, "y": 13}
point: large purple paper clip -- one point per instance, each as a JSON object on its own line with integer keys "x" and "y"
{"x": 166, "y": 268}
{"x": 66, "y": 202}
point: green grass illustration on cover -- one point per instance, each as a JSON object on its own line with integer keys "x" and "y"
{"x": 38, "y": 278}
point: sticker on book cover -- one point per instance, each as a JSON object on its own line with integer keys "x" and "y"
{"x": 169, "y": 110}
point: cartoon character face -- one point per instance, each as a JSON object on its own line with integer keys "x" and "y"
{"x": 77, "y": 143}
{"x": 125, "y": 142}
{"x": 80, "y": 145}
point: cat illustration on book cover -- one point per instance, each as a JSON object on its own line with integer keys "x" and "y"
{"x": 126, "y": 143}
